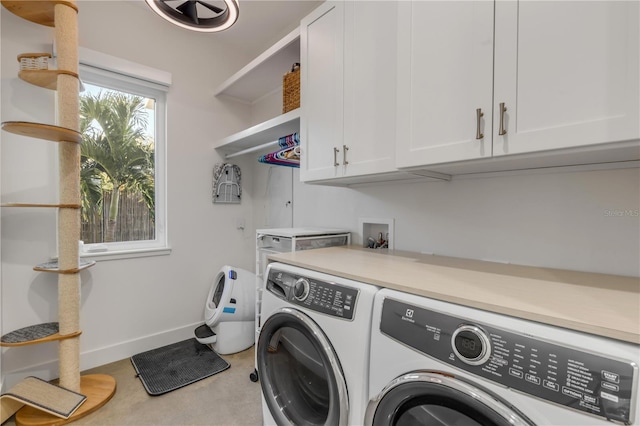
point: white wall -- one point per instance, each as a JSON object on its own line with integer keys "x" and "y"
{"x": 567, "y": 220}
{"x": 136, "y": 304}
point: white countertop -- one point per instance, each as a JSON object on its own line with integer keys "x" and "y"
{"x": 605, "y": 305}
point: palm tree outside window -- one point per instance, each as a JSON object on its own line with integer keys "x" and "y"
{"x": 121, "y": 167}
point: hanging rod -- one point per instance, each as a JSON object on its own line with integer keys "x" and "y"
{"x": 253, "y": 149}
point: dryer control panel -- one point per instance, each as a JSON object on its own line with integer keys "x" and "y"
{"x": 325, "y": 297}
{"x": 571, "y": 377}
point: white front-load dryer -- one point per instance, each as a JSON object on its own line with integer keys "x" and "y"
{"x": 438, "y": 363}
{"x": 313, "y": 348}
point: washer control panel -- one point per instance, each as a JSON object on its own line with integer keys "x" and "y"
{"x": 325, "y": 297}
{"x": 567, "y": 376}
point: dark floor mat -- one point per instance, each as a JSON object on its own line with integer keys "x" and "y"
{"x": 174, "y": 366}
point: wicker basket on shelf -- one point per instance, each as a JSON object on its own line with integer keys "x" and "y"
{"x": 34, "y": 61}
{"x": 291, "y": 89}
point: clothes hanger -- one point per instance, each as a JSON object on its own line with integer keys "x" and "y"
{"x": 288, "y": 154}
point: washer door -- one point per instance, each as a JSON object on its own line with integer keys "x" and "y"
{"x": 300, "y": 374}
{"x": 438, "y": 399}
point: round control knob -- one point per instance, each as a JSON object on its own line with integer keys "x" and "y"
{"x": 471, "y": 344}
{"x": 301, "y": 289}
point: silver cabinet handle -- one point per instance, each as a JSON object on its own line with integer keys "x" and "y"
{"x": 335, "y": 156}
{"x": 344, "y": 154}
{"x": 479, "y": 115}
{"x": 502, "y": 130}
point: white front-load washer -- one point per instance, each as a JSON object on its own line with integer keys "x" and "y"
{"x": 313, "y": 348}
{"x": 438, "y": 363}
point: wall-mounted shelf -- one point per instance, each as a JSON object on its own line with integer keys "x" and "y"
{"x": 268, "y": 131}
{"x": 263, "y": 75}
{"x": 256, "y": 81}
{"x": 42, "y": 131}
{"x": 40, "y": 12}
{"x": 44, "y": 78}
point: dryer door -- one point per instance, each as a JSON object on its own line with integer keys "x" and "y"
{"x": 301, "y": 377}
{"x": 438, "y": 399}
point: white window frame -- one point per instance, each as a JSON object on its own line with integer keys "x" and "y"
{"x": 117, "y": 74}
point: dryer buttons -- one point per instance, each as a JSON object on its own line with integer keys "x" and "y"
{"x": 471, "y": 345}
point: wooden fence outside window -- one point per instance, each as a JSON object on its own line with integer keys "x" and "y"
{"x": 134, "y": 222}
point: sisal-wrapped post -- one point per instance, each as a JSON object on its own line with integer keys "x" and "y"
{"x": 66, "y": 35}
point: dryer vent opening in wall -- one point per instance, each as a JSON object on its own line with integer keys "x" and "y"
{"x": 226, "y": 184}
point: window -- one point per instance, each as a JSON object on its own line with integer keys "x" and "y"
{"x": 122, "y": 120}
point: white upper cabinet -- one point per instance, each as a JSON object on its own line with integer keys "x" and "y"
{"x": 321, "y": 85}
{"x": 545, "y": 75}
{"x": 445, "y": 74}
{"x": 567, "y": 72}
{"x": 348, "y": 90}
{"x": 370, "y": 38}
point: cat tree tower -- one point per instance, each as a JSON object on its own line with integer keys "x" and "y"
{"x": 97, "y": 388}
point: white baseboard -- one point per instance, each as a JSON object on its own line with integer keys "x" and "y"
{"x": 97, "y": 357}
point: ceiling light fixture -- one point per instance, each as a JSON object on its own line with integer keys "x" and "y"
{"x": 197, "y": 15}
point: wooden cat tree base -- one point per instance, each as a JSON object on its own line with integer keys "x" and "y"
{"x": 99, "y": 389}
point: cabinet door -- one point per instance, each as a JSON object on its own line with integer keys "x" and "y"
{"x": 567, "y": 72}
{"x": 370, "y": 42}
{"x": 321, "y": 48}
{"x": 445, "y": 66}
